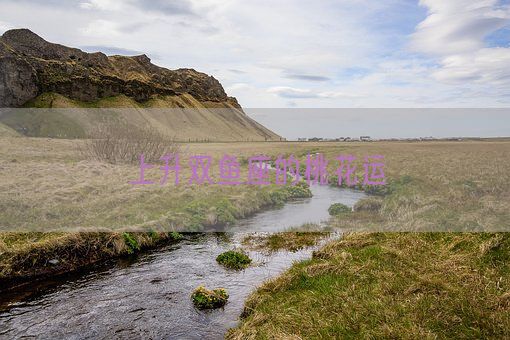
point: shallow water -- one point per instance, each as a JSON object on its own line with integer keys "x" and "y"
{"x": 149, "y": 297}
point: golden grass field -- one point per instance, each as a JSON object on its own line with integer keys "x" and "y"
{"x": 419, "y": 285}
{"x": 48, "y": 184}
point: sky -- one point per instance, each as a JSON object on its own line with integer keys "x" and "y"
{"x": 312, "y": 54}
{"x": 298, "y": 53}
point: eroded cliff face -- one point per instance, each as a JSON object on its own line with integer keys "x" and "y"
{"x": 30, "y": 66}
{"x": 36, "y": 73}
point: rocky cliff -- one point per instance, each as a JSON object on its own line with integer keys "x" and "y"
{"x": 29, "y": 66}
{"x": 37, "y": 73}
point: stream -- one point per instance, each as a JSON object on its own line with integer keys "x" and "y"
{"x": 149, "y": 296}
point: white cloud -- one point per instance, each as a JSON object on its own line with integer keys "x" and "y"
{"x": 238, "y": 87}
{"x": 103, "y": 5}
{"x": 290, "y": 92}
{"x": 458, "y": 26}
{"x": 339, "y": 94}
{"x": 485, "y": 66}
{"x": 455, "y": 31}
{"x": 101, "y": 28}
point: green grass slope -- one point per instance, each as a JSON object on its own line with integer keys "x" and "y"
{"x": 207, "y": 121}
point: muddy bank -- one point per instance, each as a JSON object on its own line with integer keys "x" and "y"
{"x": 71, "y": 252}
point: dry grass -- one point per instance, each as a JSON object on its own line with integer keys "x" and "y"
{"x": 289, "y": 240}
{"x": 462, "y": 186}
{"x": 405, "y": 285}
{"x": 46, "y": 184}
{"x": 117, "y": 142}
{"x": 6, "y": 131}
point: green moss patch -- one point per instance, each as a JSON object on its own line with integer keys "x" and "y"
{"x": 234, "y": 259}
{"x": 204, "y": 298}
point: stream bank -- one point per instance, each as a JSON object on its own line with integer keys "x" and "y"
{"x": 150, "y": 295}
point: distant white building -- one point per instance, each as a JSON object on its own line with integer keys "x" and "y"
{"x": 426, "y": 138}
{"x": 365, "y": 138}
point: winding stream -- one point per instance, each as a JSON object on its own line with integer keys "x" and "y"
{"x": 148, "y": 297}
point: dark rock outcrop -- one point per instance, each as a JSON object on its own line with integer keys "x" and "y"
{"x": 29, "y": 66}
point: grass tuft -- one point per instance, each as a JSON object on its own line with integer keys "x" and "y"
{"x": 234, "y": 259}
{"x": 338, "y": 208}
{"x": 372, "y": 204}
{"x": 131, "y": 243}
{"x": 204, "y": 298}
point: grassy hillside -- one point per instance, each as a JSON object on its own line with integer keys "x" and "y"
{"x": 182, "y": 117}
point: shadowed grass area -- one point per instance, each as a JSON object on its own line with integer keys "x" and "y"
{"x": 389, "y": 285}
{"x": 28, "y": 255}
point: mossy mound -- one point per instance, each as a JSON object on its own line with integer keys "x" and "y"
{"x": 283, "y": 194}
{"x": 338, "y": 208}
{"x": 234, "y": 259}
{"x": 204, "y": 298}
{"x": 300, "y": 190}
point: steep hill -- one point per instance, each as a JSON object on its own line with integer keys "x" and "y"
{"x": 37, "y": 73}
